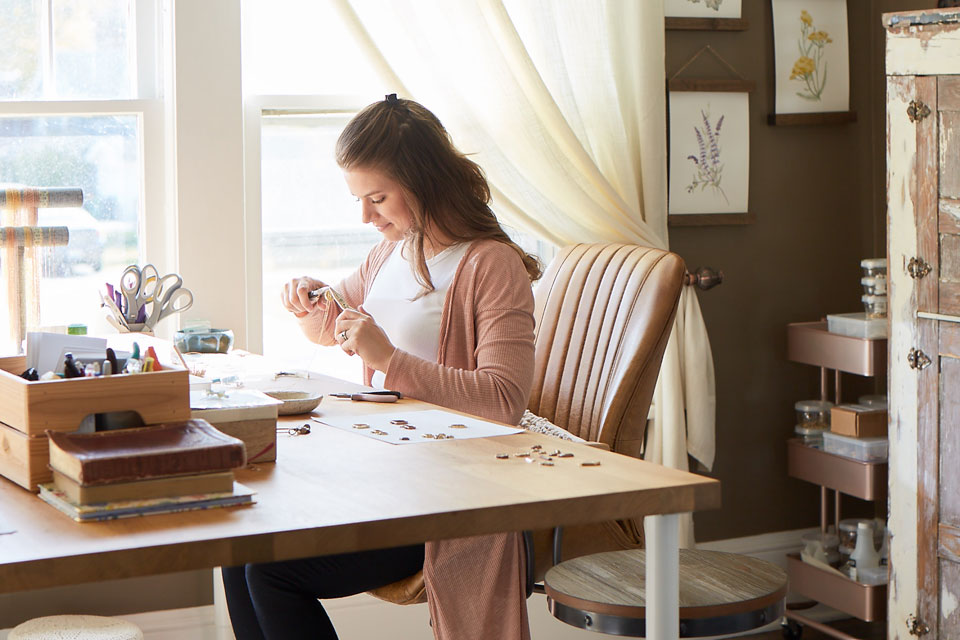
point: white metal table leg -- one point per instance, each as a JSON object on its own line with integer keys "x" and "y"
{"x": 663, "y": 582}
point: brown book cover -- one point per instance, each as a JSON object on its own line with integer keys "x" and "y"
{"x": 123, "y": 455}
{"x": 170, "y": 486}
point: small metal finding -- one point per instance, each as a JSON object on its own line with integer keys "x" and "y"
{"x": 295, "y": 431}
{"x": 564, "y": 455}
{"x": 378, "y": 432}
{"x": 361, "y": 425}
{"x": 398, "y": 422}
{"x": 458, "y": 426}
{"x": 404, "y": 438}
{"x": 546, "y": 464}
{"x": 590, "y": 463}
{"x": 408, "y": 427}
{"x": 503, "y": 456}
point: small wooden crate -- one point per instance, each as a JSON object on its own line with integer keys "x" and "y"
{"x": 28, "y": 409}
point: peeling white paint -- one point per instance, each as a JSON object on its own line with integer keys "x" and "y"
{"x": 948, "y": 602}
{"x": 902, "y": 239}
{"x": 931, "y": 50}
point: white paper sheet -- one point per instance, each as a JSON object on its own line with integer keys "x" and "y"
{"x": 431, "y": 422}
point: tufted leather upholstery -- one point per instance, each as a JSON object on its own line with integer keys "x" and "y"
{"x": 604, "y": 313}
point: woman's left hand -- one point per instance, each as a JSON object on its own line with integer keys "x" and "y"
{"x": 358, "y": 333}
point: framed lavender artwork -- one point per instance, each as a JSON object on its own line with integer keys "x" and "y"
{"x": 709, "y": 157}
{"x": 811, "y": 56}
{"x": 701, "y": 8}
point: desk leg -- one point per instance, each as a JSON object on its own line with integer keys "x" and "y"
{"x": 663, "y": 582}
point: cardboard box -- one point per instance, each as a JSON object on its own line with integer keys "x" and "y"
{"x": 246, "y": 414}
{"x": 28, "y": 409}
{"x": 859, "y": 421}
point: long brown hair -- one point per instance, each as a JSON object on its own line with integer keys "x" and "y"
{"x": 445, "y": 191}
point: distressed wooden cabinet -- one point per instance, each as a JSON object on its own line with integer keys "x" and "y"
{"x": 923, "y": 231}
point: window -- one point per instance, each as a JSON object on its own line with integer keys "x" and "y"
{"x": 304, "y": 78}
{"x": 78, "y": 92}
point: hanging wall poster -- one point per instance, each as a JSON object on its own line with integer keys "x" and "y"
{"x": 709, "y": 152}
{"x": 811, "y": 56}
{"x": 701, "y": 8}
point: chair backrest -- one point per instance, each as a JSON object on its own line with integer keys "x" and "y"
{"x": 604, "y": 313}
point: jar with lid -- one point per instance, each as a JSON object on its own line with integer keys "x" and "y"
{"x": 847, "y": 530}
{"x": 874, "y": 285}
{"x": 875, "y": 306}
{"x": 813, "y": 413}
{"x": 823, "y": 546}
{"x": 810, "y": 436}
{"x": 873, "y": 267}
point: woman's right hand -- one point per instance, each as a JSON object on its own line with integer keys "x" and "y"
{"x": 296, "y": 296}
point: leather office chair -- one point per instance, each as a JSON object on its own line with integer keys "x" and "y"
{"x": 604, "y": 313}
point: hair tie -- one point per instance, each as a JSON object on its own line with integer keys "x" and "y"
{"x": 392, "y": 98}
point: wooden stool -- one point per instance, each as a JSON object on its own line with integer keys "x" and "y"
{"x": 76, "y": 628}
{"x": 720, "y": 593}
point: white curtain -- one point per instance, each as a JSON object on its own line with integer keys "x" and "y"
{"x": 562, "y": 103}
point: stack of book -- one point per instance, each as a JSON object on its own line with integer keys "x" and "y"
{"x": 177, "y": 466}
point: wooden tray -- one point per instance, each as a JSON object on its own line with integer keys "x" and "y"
{"x": 60, "y": 405}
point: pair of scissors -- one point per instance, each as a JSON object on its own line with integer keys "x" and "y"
{"x": 137, "y": 286}
{"x": 171, "y": 299}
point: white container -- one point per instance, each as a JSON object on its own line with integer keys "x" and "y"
{"x": 857, "y": 325}
{"x": 863, "y": 449}
{"x": 873, "y": 401}
{"x": 875, "y": 306}
{"x": 873, "y": 267}
{"x": 872, "y": 576}
{"x": 864, "y": 555}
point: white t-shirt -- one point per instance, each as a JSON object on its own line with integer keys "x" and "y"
{"x": 412, "y": 325}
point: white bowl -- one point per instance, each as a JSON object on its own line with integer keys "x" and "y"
{"x": 295, "y": 402}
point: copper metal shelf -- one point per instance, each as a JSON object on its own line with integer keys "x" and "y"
{"x": 862, "y": 601}
{"x": 864, "y": 480}
{"x": 811, "y": 343}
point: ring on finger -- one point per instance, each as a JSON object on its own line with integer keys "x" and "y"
{"x": 343, "y": 336}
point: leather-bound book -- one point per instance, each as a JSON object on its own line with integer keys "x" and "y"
{"x": 123, "y": 455}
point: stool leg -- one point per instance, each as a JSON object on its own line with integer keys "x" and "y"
{"x": 663, "y": 582}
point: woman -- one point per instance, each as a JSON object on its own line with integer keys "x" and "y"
{"x": 445, "y": 315}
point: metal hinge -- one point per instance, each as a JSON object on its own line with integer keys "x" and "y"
{"x": 917, "y": 359}
{"x": 916, "y": 627}
{"x": 917, "y": 268}
{"x": 917, "y": 111}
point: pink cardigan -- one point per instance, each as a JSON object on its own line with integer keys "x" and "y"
{"x": 475, "y": 586}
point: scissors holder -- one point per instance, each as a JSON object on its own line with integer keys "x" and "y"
{"x": 29, "y": 409}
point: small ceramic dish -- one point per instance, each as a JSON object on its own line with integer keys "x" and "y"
{"x": 295, "y": 402}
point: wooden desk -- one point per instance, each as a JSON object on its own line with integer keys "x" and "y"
{"x": 333, "y": 491}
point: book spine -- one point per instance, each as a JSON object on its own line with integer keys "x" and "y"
{"x": 142, "y": 467}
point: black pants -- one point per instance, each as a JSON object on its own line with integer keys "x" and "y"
{"x": 278, "y": 600}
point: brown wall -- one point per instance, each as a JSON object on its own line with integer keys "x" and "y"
{"x": 818, "y": 194}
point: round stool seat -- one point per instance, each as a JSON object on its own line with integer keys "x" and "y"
{"x": 76, "y": 628}
{"x": 720, "y": 593}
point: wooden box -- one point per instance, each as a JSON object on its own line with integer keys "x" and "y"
{"x": 259, "y": 436}
{"x": 28, "y": 409}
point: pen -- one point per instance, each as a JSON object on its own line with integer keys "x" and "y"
{"x": 371, "y": 396}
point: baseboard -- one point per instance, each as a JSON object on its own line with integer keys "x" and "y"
{"x": 363, "y": 616}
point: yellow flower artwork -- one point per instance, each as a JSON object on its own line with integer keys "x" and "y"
{"x": 810, "y": 67}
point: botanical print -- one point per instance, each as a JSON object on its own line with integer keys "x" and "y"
{"x": 708, "y": 169}
{"x": 700, "y": 8}
{"x": 711, "y": 4}
{"x": 709, "y": 152}
{"x": 811, "y": 68}
{"x": 811, "y": 53}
